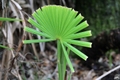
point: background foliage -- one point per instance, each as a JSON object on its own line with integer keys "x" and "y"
{"x": 102, "y": 15}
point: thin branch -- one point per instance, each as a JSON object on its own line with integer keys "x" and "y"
{"x": 33, "y": 46}
{"x": 110, "y": 71}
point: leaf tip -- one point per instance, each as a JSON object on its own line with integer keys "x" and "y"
{"x": 23, "y": 42}
{"x": 86, "y": 23}
{"x": 73, "y": 71}
{"x": 29, "y": 19}
{"x": 90, "y": 32}
{"x": 90, "y": 45}
{"x": 86, "y": 58}
{"x": 33, "y": 13}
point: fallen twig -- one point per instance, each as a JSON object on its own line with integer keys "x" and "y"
{"x": 110, "y": 71}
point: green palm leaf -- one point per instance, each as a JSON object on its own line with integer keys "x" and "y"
{"x": 63, "y": 25}
{"x": 5, "y": 47}
{"x": 8, "y": 19}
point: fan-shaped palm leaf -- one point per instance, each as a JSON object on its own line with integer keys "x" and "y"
{"x": 62, "y": 24}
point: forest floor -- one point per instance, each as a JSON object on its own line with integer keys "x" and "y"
{"x": 45, "y": 68}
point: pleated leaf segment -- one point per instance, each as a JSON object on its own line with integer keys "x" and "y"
{"x": 63, "y": 25}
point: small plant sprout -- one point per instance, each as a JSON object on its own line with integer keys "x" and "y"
{"x": 61, "y": 24}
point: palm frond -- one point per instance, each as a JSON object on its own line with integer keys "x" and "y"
{"x": 63, "y": 25}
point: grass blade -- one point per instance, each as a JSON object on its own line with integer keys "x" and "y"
{"x": 8, "y": 19}
{"x": 80, "y": 35}
{"x": 76, "y": 51}
{"x": 37, "y": 41}
{"x": 5, "y": 47}
{"x": 30, "y": 30}
{"x": 67, "y": 58}
{"x": 80, "y": 43}
{"x": 79, "y": 27}
{"x": 34, "y": 23}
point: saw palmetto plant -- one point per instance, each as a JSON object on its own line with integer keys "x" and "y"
{"x": 64, "y": 25}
